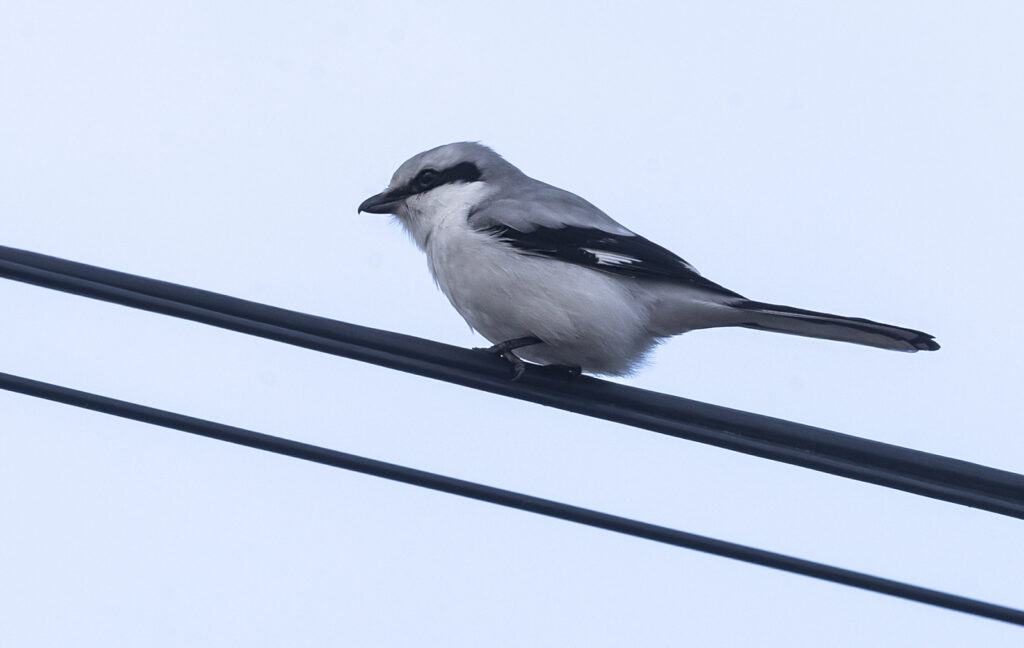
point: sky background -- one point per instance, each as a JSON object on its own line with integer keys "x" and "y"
{"x": 861, "y": 158}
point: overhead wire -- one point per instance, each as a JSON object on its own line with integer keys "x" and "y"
{"x": 892, "y": 466}
{"x": 511, "y": 499}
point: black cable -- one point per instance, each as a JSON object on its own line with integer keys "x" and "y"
{"x": 506, "y": 498}
{"x": 913, "y": 471}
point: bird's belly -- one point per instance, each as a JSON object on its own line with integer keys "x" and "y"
{"x": 585, "y": 318}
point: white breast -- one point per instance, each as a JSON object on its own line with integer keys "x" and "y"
{"x": 586, "y": 318}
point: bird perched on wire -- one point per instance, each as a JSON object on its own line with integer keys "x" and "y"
{"x": 550, "y": 278}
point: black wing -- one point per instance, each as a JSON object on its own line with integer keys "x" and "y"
{"x": 620, "y": 254}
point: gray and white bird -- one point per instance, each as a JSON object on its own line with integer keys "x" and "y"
{"x": 550, "y": 278}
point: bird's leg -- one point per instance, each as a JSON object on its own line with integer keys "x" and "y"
{"x": 518, "y": 366}
{"x": 509, "y": 345}
{"x": 504, "y": 350}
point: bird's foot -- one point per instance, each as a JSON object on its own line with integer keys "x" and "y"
{"x": 504, "y": 350}
{"x": 509, "y": 345}
{"x": 518, "y": 366}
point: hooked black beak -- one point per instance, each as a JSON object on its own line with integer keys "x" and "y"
{"x": 382, "y": 203}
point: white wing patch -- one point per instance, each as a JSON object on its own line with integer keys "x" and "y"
{"x": 611, "y": 258}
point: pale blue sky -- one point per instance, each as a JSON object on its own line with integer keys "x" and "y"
{"x": 864, "y": 159}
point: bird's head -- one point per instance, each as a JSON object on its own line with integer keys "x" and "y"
{"x": 442, "y": 180}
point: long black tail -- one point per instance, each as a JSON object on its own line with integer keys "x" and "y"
{"x": 796, "y": 321}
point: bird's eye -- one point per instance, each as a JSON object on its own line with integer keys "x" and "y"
{"x": 426, "y": 179}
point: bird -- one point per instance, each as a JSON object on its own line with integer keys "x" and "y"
{"x": 549, "y": 278}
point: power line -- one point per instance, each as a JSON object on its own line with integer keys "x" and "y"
{"x": 507, "y": 498}
{"x": 909, "y": 470}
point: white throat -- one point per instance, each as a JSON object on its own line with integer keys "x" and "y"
{"x": 440, "y": 208}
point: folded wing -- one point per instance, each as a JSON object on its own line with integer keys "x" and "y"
{"x": 539, "y": 219}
